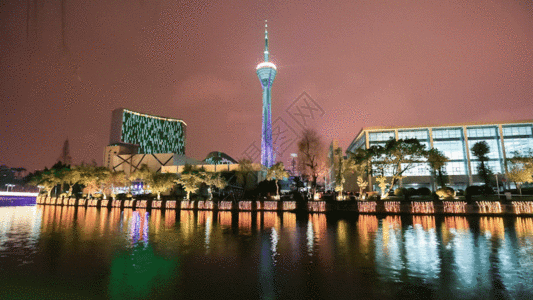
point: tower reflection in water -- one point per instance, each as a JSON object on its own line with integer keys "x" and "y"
{"x": 139, "y": 272}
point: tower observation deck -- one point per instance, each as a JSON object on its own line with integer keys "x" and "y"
{"x": 266, "y": 71}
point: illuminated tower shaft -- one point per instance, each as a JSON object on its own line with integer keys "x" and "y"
{"x": 266, "y": 71}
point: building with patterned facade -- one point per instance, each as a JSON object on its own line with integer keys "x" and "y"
{"x": 138, "y": 139}
{"x": 152, "y": 134}
{"x": 455, "y": 141}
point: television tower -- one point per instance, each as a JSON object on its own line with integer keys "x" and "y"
{"x": 266, "y": 71}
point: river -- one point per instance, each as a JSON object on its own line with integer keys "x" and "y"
{"x": 54, "y": 252}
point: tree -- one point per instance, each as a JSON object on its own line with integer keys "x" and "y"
{"x": 521, "y": 169}
{"x": 382, "y": 186}
{"x": 339, "y": 166}
{"x": 437, "y": 160}
{"x": 213, "y": 179}
{"x": 519, "y": 176}
{"x": 156, "y": 182}
{"x": 358, "y": 164}
{"x": 65, "y": 157}
{"x": 116, "y": 179}
{"x": 277, "y": 172}
{"x": 72, "y": 177}
{"x": 311, "y": 156}
{"x": 480, "y": 151}
{"x": 244, "y": 170}
{"x": 161, "y": 182}
{"x": 190, "y": 182}
{"x": 394, "y": 159}
{"x": 46, "y": 179}
{"x": 93, "y": 178}
{"x": 362, "y": 185}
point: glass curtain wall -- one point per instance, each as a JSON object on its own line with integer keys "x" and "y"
{"x": 450, "y": 142}
{"x": 489, "y": 134}
{"x": 517, "y": 139}
{"x": 422, "y": 135}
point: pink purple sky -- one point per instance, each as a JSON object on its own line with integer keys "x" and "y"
{"x": 65, "y": 65}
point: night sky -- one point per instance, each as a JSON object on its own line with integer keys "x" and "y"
{"x": 65, "y": 65}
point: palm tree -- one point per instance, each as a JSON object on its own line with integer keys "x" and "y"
{"x": 277, "y": 172}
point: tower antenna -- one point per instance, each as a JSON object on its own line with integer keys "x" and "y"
{"x": 266, "y": 41}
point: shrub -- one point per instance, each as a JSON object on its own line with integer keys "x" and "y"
{"x": 372, "y": 196}
{"x": 479, "y": 190}
{"x": 460, "y": 192}
{"x": 400, "y": 192}
{"x": 424, "y": 191}
{"x": 473, "y": 190}
{"x": 446, "y": 193}
{"x": 411, "y": 192}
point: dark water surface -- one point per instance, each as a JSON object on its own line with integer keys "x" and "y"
{"x": 49, "y": 252}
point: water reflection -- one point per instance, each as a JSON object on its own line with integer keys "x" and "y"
{"x": 492, "y": 227}
{"x": 172, "y": 254}
{"x": 421, "y": 240}
{"x": 367, "y": 226}
{"x": 20, "y": 229}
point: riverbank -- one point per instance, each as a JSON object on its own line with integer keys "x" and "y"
{"x": 477, "y": 206}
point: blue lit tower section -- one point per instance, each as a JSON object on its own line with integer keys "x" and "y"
{"x": 266, "y": 71}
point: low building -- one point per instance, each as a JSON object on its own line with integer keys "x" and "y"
{"x": 455, "y": 141}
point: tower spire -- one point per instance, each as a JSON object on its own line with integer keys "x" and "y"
{"x": 266, "y": 41}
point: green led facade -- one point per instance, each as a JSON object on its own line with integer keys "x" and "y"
{"x": 153, "y": 134}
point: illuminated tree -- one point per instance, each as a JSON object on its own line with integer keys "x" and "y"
{"x": 519, "y": 176}
{"x": 395, "y": 158}
{"x": 383, "y": 186}
{"x": 156, "y": 182}
{"x": 161, "y": 182}
{"x": 277, "y": 172}
{"x": 480, "y": 151}
{"x": 358, "y": 164}
{"x": 116, "y": 179}
{"x": 93, "y": 178}
{"x": 437, "y": 160}
{"x": 339, "y": 165}
{"x": 311, "y": 156}
{"x": 213, "y": 179}
{"x": 521, "y": 169}
{"x": 47, "y": 180}
{"x": 72, "y": 177}
{"x": 362, "y": 185}
{"x": 190, "y": 182}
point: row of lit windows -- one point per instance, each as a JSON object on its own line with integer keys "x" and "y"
{"x": 516, "y": 130}
{"x": 455, "y": 133}
{"x": 482, "y": 132}
{"x": 153, "y": 135}
{"x": 381, "y": 136}
{"x": 451, "y": 133}
{"x": 413, "y": 134}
